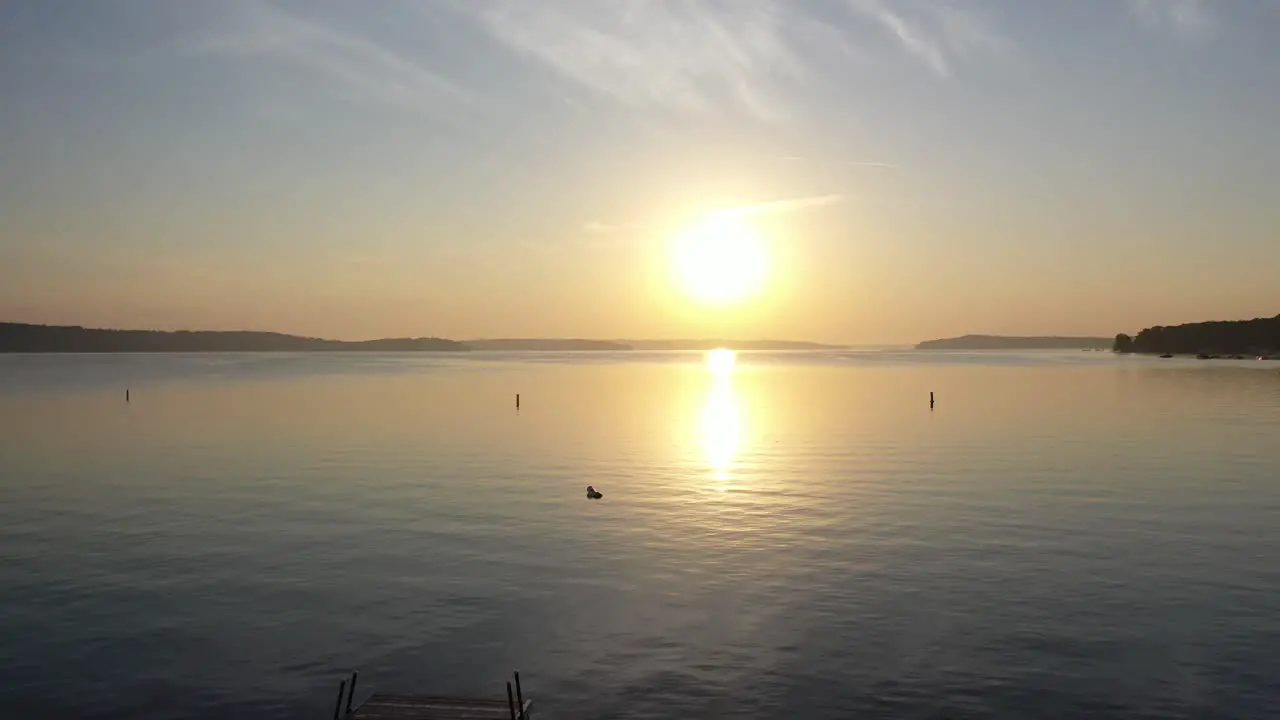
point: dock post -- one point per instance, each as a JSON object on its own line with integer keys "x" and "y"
{"x": 517, "y": 401}
{"x": 511, "y": 703}
{"x": 337, "y": 707}
{"x": 930, "y": 399}
{"x": 351, "y": 691}
{"x": 519, "y": 695}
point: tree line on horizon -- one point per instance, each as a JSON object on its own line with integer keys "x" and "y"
{"x": 24, "y": 338}
{"x": 1260, "y": 336}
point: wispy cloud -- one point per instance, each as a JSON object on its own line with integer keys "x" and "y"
{"x": 703, "y": 57}
{"x": 709, "y": 57}
{"x": 936, "y": 33}
{"x": 1190, "y": 18}
{"x": 788, "y": 205}
{"x": 849, "y": 163}
{"x": 365, "y": 259}
{"x": 912, "y": 36}
{"x": 595, "y": 227}
{"x": 370, "y": 70}
{"x": 600, "y": 235}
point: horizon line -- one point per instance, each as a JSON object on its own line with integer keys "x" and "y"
{"x": 818, "y": 344}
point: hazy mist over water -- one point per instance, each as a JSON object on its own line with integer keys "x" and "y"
{"x": 1065, "y": 535}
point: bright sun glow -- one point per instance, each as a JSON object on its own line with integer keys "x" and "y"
{"x": 722, "y": 259}
{"x": 721, "y": 361}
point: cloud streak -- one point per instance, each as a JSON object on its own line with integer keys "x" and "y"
{"x": 691, "y": 56}
{"x": 848, "y": 163}
{"x": 694, "y": 57}
{"x": 1190, "y": 18}
{"x": 595, "y": 227}
{"x": 938, "y": 34}
{"x": 709, "y": 56}
{"x": 600, "y": 231}
{"x": 787, "y": 205}
{"x": 367, "y": 69}
{"x": 912, "y": 38}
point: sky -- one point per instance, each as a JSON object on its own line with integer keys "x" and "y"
{"x": 491, "y": 168}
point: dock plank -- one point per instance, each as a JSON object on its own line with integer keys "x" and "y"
{"x": 383, "y": 706}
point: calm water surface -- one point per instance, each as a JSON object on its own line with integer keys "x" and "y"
{"x": 1064, "y": 535}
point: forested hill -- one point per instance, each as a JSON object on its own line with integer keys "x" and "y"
{"x": 20, "y": 337}
{"x": 1260, "y": 336}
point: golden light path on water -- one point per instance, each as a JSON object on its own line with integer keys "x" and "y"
{"x": 720, "y": 423}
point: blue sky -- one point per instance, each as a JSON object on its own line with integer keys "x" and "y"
{"x": 478, "y": 168}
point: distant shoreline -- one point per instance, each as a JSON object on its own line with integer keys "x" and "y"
{"x": 37, "y": 339}
{"x": 24, "y": 338}
{"x": 1005, "y": 342}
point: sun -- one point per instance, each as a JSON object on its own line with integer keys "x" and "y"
{"x": 721, "y": 361}
{"x": 721, "y": 260}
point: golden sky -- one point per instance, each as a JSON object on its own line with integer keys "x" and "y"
{"x": 904, "y": 170}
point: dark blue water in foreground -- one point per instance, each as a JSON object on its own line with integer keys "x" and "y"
{"x": 1065, "y": 535}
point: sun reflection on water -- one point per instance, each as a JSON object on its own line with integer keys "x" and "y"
{"x": 720, "y": 422}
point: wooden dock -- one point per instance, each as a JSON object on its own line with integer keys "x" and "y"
{"x": 422, "y": 707}
{"x": 388, "y": 706}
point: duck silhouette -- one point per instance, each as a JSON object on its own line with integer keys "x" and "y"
{"x": 593, "y": 494}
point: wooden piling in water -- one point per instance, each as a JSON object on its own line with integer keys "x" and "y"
{"x": 519, "y": 694}
{"x": 337, "y": 707}
{"x": 351, "y": 691}
{"x": 511, "y": 703}
{"x": 930, "y": 399}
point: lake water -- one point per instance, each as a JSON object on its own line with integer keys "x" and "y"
{"x": 1064, "y": 535}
